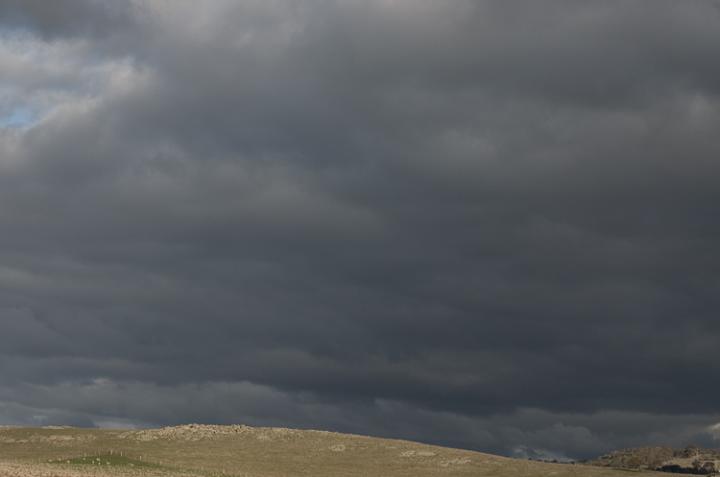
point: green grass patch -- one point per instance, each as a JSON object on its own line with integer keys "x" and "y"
{"x": 106, "y": 460}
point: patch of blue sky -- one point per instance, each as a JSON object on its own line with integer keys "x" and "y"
{"x": 18, "y": 118}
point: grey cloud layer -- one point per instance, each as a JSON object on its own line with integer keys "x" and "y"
{"x": 69, "y": 18}
{"x": 466, "y": 214}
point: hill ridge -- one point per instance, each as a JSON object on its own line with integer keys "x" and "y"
{"x": 211, "y": 450}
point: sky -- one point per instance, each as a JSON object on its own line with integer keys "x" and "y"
{"x": 485, "y": 224}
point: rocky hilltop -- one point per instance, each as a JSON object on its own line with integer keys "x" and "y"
{"x": 690, "y": 460}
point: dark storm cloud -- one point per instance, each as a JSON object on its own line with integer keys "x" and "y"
{"x": 475, "y": 223}
{"x": 68, "y": 17}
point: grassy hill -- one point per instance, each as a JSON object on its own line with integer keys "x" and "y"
{"x": 242, "y": 451}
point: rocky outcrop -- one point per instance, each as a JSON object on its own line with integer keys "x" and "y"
{"x": 690, "y": 460}
{"x": 639, "y": 458}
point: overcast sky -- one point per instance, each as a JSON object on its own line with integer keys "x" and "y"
{"x": 486, "y": 224}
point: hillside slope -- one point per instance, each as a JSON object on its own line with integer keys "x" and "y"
{"x": 690, "y": 460}
{"x": 198, "y": 450}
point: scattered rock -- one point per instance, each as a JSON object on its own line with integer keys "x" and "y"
{"x": 455, "y": 461}
{"x": 416, "y": 453}
{"x": 197, "y": 432}
{"x": 690, "y": 460}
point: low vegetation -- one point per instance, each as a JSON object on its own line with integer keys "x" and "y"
{"x": 112, "y": 460}
{"x": 243, "y": 451}
{"x": 690, "y": 460}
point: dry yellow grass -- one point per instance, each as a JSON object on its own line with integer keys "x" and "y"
{"x": 242, "y": 451}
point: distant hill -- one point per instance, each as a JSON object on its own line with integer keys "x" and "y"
{"x": 690, "y": 460}
{"x": 243, "y": 451}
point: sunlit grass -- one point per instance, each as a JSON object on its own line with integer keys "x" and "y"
{"x": 108, "y": 460}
